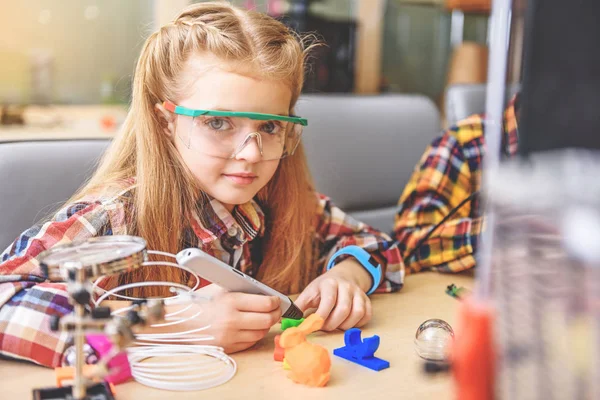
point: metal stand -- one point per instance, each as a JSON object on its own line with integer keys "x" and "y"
{"x": 100, "y": 391}
{"x": 82, "y": 321}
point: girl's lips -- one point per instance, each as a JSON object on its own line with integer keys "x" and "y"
{"x": 241, "y": 179}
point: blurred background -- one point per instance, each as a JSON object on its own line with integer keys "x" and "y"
{"x": 83, "y": 51}
{"x": 77, "y": 56}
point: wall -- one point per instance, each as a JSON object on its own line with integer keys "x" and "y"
{"x": 89, "y": 42}
{"x": 416, "y": 46}
{"x": 104, "y": 46}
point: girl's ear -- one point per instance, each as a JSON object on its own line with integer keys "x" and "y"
{"x": 165, "y": 117}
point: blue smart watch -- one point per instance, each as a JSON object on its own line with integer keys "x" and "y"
{"x": 365, "y": 259}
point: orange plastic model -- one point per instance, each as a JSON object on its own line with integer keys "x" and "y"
{"x": 309, "y": 363}
{"x": 68, "y": 373}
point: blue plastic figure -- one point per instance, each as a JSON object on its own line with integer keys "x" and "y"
{"x": 361, "y": 351}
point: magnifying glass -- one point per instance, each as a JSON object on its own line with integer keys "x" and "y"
{"x": 94, "y": 257}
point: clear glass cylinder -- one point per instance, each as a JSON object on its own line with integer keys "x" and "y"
{"x": 546, "y": 276}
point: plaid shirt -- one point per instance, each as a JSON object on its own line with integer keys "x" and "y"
{"x": 27, "y": 300}
{"x": 449, "y": 172}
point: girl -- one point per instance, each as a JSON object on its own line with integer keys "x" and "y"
{"x": 209, "y": 156}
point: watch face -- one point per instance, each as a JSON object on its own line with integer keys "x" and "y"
{"x": 94, "y": 251}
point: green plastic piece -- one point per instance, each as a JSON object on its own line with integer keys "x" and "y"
{"x": 451, "y": 290}
{"x": 456, "y": 292}
{"x": 289, "y": 323}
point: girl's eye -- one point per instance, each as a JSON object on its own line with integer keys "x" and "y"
{"x": 271, "y": 127}
{"x": 218, "y": 124}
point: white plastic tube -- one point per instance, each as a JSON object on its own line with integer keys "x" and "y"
{"x": 499, "y": 41}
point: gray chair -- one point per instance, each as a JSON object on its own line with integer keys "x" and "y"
{"x": 463, "y": 100}
{"x": 37, "y": 177}
{"x": 363, "y": 149}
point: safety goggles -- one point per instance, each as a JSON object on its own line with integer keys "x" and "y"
{"x": 225, "y": 134}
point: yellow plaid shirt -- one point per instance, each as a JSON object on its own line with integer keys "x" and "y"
{"x": 448, "y": 173}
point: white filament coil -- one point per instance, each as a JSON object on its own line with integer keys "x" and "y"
{"x": 150, "y": 366}
{"x": 194, "y": 372}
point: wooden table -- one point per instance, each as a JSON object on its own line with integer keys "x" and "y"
{"x": 396, "y": 319}
{"x": 66, "y": 122}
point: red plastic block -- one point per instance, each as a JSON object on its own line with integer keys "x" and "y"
{"x": 279, "y": 352}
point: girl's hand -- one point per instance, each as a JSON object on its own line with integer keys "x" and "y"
{"x": 339, "y": 296}
{"x": 237, "y": 320}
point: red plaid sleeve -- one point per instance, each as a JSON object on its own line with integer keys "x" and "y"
{"x": 27, "y": 301}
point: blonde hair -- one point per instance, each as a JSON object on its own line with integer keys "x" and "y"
{"x": 142, "y": 149}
